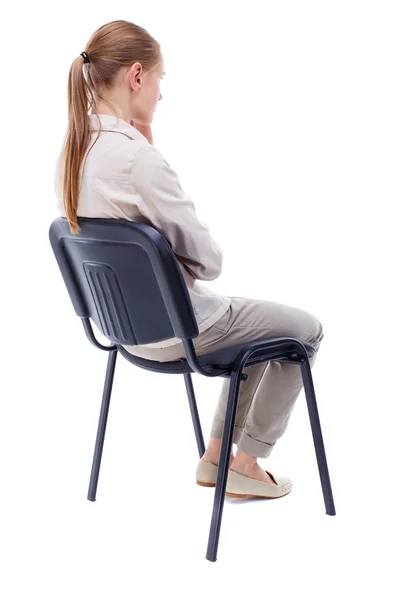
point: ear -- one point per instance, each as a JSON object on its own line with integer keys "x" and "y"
{"x": 135, "y": 75}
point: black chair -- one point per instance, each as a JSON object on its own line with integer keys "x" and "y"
{"x": 125, "y": 277}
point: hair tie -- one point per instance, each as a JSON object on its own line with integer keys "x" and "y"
{"x": 85, "y": 57}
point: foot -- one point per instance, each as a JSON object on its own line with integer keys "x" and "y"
{"x": 214, "y": 459}
{"x": 254, "y": 471}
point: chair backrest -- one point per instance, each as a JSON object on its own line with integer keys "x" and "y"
{"x": 126, "y": 278}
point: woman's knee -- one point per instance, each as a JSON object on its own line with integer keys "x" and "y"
{"x": 317, "y": 331}
{"x": 311, "y": 328}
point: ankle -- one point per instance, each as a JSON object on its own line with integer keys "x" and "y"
{"x": 243, "y": 460}
{"x": 213, "y": 451}
{"x": 214, "y": 445}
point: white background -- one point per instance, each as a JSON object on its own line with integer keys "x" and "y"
{"x": 282, "y": 121}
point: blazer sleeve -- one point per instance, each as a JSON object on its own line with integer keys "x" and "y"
{"x": 161, "y": 199}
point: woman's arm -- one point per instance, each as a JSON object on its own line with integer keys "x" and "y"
{"x": 160, "y": 198}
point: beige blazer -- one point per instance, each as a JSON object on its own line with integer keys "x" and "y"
{"x": 126, "y": 177}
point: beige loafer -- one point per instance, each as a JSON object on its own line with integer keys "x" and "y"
{"x": 206, "y": 473}
{"x": 240, "y": 486}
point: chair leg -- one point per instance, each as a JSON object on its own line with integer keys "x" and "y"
{"x": 224, "y": 460}
{"x": 317, "y": 435}
{"x": 195, "y": 413}
{"x": 101, "y": 429}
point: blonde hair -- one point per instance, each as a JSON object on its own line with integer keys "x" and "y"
{"x": 113, "y": 46}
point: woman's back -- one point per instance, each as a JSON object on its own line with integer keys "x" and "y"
{"x": 123, "y": 176}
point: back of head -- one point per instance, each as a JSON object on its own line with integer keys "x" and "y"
{"x": 112, "y": 47}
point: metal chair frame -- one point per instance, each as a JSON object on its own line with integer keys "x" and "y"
{"x": 282, "y": 349}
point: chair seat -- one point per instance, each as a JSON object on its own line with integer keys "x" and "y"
{"x": 222, "y": 359}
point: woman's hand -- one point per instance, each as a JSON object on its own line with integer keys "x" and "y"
{"x": 144, "y": 129}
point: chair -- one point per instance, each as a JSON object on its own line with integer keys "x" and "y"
{"x": 125, "y": 277}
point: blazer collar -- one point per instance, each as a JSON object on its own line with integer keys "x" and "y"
{"x": 112, "y": 123}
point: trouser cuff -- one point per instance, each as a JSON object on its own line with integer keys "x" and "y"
{"x": 254, "y": 447}
{"x": 243, "y": 440}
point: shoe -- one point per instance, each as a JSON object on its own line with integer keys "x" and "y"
{"x": 240, "y": 486}
{"x": 206, "y": 473}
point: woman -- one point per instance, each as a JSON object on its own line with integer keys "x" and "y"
{"x": 124, "y": 176}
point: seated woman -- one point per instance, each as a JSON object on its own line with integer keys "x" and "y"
{"x": 121, "y": 175}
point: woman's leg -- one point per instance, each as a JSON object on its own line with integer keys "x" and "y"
{"x": 266, "y": 400}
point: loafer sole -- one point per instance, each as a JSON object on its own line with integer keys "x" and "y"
{"x": 205, "y": 483}
{"x": 255, "y": 495}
